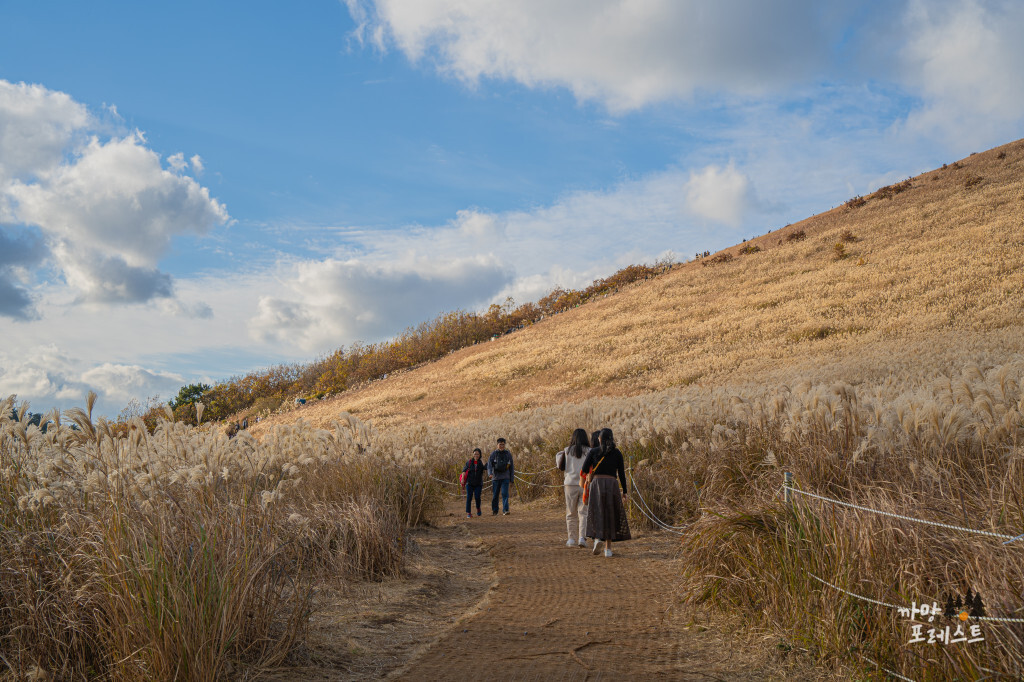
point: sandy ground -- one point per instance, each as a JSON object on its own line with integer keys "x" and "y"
{"x": 503, "y": 598}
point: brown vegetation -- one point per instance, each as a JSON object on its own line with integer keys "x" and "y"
{"x": 897, "y": 385}
{"x": 265, "y": 390}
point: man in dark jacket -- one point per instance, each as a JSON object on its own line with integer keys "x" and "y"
{"x": 501, "y": 469}
{"x": 474, "y": 482}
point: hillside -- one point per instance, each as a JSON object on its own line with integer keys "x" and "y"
{"x": 926, "y": 271}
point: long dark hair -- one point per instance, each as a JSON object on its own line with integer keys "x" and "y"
{"x": 595, "y": 439}
{"x": 578, "y": 442}
{"x": 607, "y": 441}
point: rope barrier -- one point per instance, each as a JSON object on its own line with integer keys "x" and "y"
{"x": 636, "y": 491}
{"x": 901, "y": 516}
{"x": 991, "y": 619}
{"x": 535, "y": 473}
{"x": 439, "y": 480}
{"x": 853, "y": 594}
{"x": 654, "y": 520}
{"x": 539, "y": 485}
{"x": 884, "y": 669}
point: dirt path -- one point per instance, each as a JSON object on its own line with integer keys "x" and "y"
{"x": 560, "y": 613}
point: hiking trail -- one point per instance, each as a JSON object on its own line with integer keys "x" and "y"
{"x": 561, "y": 613}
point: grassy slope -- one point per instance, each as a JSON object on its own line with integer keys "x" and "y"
{"x": 933, "y": 279}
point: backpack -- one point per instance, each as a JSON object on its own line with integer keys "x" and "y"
{"x": 500, "y": 462}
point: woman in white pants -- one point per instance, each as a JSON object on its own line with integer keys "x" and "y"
{"x": 570, "y": 460}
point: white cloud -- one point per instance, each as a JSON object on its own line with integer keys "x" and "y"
{"x": 116, "y": 198}
{"x": 49, "y": 376}
{"x": 965, "y": 59}
{"x": 178, "y": 308}
{"x": 121, "y": 383}
{"x": 722, "y": 195}
{"x": 107, "y": 208}
{"x": 177, "y": 162}
{"x": 625, "y": 54}
{"x": 36, "y": 126}
{"x": 333, "y": 302}
{"x": 386, "y": 281}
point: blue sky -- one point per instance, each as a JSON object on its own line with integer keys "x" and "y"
{"x": 193, "y": 190}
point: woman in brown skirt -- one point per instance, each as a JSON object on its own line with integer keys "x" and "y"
{"x": 606, "y": 514}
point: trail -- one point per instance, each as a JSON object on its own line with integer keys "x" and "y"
{"x": 561, "y": 613}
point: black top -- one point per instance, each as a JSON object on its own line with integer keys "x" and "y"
{"x": 476, "y": 469}
{"x": 611, "y": 465}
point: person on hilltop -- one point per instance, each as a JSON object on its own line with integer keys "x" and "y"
{"x": 474, "y": 473}
{"x": 501, "y": 469}
{"x": 606, "y": 513}
{"x": 570, "y": 460}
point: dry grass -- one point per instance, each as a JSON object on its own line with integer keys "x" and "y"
{"x": 948, "y": 449}
{"x": 934, "y": 270}
{"x": 891, "y": 376}
{"x": 184, "y": 554}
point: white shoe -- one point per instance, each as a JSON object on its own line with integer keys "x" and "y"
{"x": 607, "y": 552}
{"x": 570, "y": 543}
{"x": 597, "y": 547}
{"x": 583, "y": 542}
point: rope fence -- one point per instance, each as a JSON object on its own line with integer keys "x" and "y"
{"x": 993, "y": 619}
{"x": 791, "y": 490}
{"x": 893, "y": 673}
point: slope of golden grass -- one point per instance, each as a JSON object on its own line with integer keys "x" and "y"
{"x": 924, "y": 272}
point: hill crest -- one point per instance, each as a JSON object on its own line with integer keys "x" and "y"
{"x": 928, "y": 265}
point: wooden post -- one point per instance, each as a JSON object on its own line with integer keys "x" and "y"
{"x": 787, "y": 487}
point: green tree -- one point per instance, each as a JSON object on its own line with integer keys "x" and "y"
{"x": 189, "y": 394}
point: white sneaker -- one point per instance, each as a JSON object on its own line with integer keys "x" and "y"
{"x": 607, "y": 552}
{"x": 583, "y": 542}
{"x": 570, "y": 543}
{"x": 597, "y": 547}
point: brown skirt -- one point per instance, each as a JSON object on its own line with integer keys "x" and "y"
{"x": 606, "y": 515}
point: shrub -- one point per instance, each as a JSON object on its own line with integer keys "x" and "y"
{"x": 889, "y": 191}
{"x": 972, "y": 180}
{"x": 796, "y": 236}
{"x": 723, "y": 257}
{"x": 847, "y": 236}
{"x": 855, "y": 202}
{"x": 749, "y": 249}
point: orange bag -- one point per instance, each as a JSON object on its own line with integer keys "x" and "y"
{"x": 585, "y": 481}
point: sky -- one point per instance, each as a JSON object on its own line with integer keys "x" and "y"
{"x": 190, "y": 191}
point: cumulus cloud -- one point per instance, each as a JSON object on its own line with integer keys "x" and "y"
{"x": 52, "y": 377}
{"x": 198, "y": 310}
{"x": 335, "y": 301}
{"x": 18, "y": 252}
{"x": 965, "y": 61}
{"x": 121, "y": 383}
{"x": 36, "y": 126}
{"x": 625, "y": 54}
{"x": 389, "y": 280}
{"x": 721, "y": 194}
{"x": 102, "y": 278}
{"x": 107, "y": 208}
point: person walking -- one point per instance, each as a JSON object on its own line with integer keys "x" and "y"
{"x": 606, "y": 513}
{"x": 570, "y": 460}
{"x": 501, "y": 469}
{"x": 474, "y": 471}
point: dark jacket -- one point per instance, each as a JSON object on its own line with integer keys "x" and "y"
{"x": 476, "y": 471}
{"x": 612, "y": 464}
{"x": 509, "y": 473}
